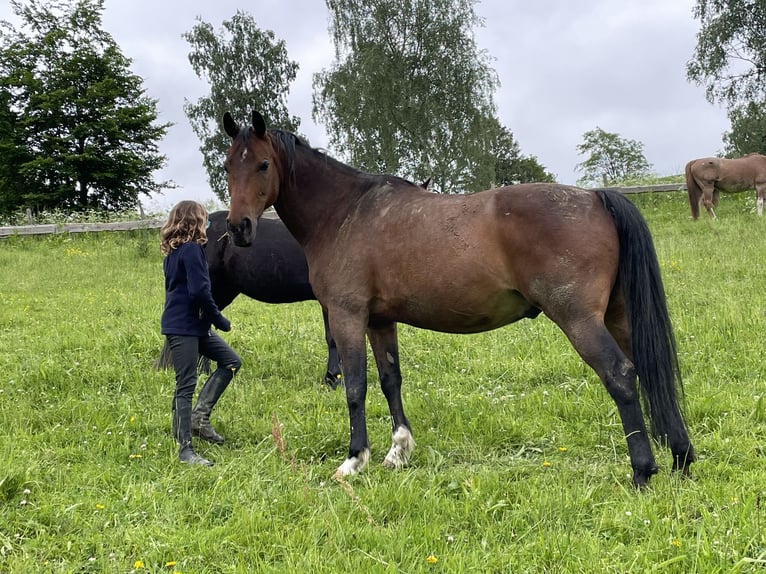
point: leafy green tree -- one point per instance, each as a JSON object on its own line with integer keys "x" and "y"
{"x": 511, "y": 166}
{"x": 247, "y": 68}
{"x": 730, "y": 55}
{"x": 12, "y": 184}
{"x": 78, "y": 124}
{"x": 409, "y": 92}
{"x": 611, "y": 159}
{"x": 748, "y": 130}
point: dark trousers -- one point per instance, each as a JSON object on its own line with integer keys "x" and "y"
{"x": 185, "y": 351}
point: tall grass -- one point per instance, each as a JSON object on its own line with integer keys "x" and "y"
{"x": 521, "y": 465}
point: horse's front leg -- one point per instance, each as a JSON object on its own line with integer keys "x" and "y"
{"x": 349, "y": 330}
{"x": 385, "y": 349}
{"x": 332, "y": 377}
{"x": 760, "y": 190}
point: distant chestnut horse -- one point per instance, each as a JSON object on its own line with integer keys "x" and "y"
{"x": 382, "y": 250}
{"x": 708, "y": 176}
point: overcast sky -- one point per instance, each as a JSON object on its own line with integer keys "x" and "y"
{"x": 565, "y": 67}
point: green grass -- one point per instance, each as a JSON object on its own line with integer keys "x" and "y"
{"x": 520, "y": 465}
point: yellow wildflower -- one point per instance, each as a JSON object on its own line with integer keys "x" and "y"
{"x": 432, "y": 559}
{"x": 138, "y": 564}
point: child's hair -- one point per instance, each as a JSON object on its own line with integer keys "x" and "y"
{"x": 186, "y": 222}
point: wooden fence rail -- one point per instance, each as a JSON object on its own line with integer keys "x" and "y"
{"x": 650, "y": 188}
{"x": 52, "y": 228}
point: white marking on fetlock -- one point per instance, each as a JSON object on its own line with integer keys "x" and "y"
{"x": 759, "y": 203}
{"x": 353, "y": 464}
{"x": 402, "y": 446}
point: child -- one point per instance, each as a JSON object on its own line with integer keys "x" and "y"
{"x": 189, "y": 312}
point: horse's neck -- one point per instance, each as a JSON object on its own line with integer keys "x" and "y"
{"x": 319, "y": 197}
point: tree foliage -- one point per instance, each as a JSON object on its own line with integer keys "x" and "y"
{"x": 611, "y": 158}
{"x": 748, "y": 130}
{"x": 409, "y": 92}
{"x": 13, "y": 186}
{"x": 247, "y": 68}
{"x": 511, "y": 166}
{"x": 730, "y": 55}
{"x": 76, "y": 128}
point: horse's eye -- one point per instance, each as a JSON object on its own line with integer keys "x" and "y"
{"x": 264, "y": 165}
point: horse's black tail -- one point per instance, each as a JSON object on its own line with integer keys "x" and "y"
{"x": 165, "y": 360}
{"x": 694, "y": 191}
{"x": 653, "y": 344}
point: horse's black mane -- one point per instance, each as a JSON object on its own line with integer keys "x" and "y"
{"x": 288, "y": 142}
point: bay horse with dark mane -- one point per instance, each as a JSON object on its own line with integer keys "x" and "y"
{"x": 708, "y": 176}
{"x": 273, "y": 269}
{"x": 381, "y": 251}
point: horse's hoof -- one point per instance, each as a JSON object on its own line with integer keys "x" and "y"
{"x": 333, "y": 380}
{"x": 402, "y": 446}
{"x": 353, "y": 464}
{"x": 641, "y": 477}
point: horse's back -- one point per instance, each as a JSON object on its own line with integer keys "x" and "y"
{"x": 743, "y": 172}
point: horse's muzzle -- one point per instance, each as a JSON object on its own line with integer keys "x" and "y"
{"x": 243, "y": 233}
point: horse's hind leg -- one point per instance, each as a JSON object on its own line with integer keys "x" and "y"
{"x": 385, "y": 349}
{"x": 600, "y": 350}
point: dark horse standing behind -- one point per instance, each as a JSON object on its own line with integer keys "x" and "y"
{"x": 708, "y": 176}
{"x": 271, "y": 270}
{"x": 381, "y": 251}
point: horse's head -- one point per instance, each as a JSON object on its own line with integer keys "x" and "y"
{"x": 252, "y": 173}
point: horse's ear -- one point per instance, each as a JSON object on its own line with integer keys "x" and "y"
{"x": 259, "y": 124}
{"x": 426, "y": 183}
{"x": 230, "y": 126}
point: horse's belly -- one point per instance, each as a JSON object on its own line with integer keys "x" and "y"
{"x": 448, "y": 314}
{"x": 734, "y": 186}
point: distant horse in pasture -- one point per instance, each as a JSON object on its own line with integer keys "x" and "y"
{"x": 708, "y": 176}
{"x": 381, "y": 250}
{"x": 271, "y": 270}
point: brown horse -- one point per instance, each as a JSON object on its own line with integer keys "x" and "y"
{"x": 708, "y": 176}
{"x": 381, "y": 250}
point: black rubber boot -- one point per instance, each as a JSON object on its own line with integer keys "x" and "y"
{"x": 208, "y": 397}
{"x": 187, "y": 455}
{"x": 183, "y": 435}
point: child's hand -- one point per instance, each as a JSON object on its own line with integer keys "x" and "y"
{"x": 222, "y": 324}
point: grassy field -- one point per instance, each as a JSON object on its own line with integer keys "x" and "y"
{"x": 521, "y": 465}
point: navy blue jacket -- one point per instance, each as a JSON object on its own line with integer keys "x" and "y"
{"x": 189, "y": 305}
